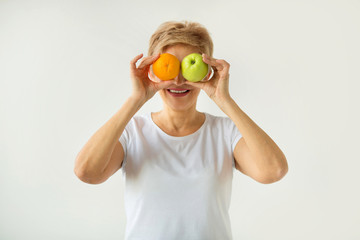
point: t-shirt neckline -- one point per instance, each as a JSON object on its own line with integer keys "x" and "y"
{"x": 175, "y": 137}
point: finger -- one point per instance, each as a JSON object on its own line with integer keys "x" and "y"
{"x": 223, "y": 63}
{"x": 148, "y": 61}
{"x": 134, "y": 61}
{"x": 212, "y": 61}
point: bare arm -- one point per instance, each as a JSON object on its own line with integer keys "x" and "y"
{"x": 103, "y": 154}
{"x": 256, "y": 154}
{"x": 95, "y": 156}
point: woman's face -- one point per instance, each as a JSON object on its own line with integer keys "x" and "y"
{"x": 180, "y": 101}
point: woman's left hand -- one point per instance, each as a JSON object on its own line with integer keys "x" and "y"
{"x": 217, "y": 88}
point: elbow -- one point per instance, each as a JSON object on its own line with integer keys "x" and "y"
{"x": 87, "y": 176}
{"x": 275, "y": 174}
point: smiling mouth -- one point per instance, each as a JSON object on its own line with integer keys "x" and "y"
{"x": 178, "y": 92}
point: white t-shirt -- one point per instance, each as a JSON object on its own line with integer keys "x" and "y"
{"x": 178, "y": 188}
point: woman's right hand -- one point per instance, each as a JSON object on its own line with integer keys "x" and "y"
{"x": 143, "y": 87}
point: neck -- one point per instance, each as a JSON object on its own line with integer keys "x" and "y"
{"x": 179, "y": 122}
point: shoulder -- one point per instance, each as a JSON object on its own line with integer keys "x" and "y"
{"x": 218, "y": 124}
{"x": 219, "y": 121}
{"x": 221, "y": 125}
{"x": 141, "y": 118}
{"x": 139, "y": 122}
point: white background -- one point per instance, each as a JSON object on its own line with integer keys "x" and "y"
{"x": 64, "y": 71}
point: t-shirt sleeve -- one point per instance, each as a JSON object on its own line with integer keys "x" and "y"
{"x": 124, "y": 140}
{"x": 233, "y": 133}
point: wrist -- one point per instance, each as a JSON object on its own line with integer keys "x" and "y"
{"x": 137, "y": 101}
{"x": 223, "y": 101}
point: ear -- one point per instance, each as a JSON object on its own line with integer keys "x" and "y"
{"x": 210, "y": 74}
{"x": 150, "y": 75}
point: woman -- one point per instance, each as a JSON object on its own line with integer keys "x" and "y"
{"x": 178, "y": 162}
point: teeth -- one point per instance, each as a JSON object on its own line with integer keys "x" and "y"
{"x": 174, "y": 91}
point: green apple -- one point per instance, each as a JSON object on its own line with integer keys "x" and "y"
{"x": 193, "y": 68}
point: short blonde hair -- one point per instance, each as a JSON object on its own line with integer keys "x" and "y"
{"x": 172, "y": 32}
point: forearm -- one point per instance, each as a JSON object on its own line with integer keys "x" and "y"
{"x": 95, "y": 155}
{"x": 263, "y": 149}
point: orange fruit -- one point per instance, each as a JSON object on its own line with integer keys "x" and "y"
{"x": 166, "y": 67}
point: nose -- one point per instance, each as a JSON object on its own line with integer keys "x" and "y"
{"x": 179, "y": 79}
